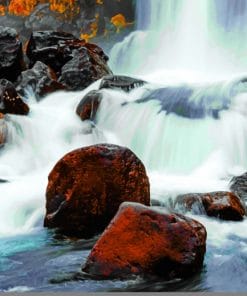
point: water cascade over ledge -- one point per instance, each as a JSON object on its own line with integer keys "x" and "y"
{"x": 185, "y": 37}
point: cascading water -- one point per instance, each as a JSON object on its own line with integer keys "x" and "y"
{"x": 34, "y": 144}
{"x": 190, "y": 134}
{"x": 194, "y": 39}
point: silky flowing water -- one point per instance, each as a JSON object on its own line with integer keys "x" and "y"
{"x": 188, "y": 125}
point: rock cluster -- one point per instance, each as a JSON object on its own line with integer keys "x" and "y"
{"x": 76, "y": 63}
{"x": 53, "y": 61}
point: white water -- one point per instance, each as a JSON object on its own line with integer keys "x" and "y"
{"x": 35, "y": 144}
{"x": 195, "y": 39}
{"x": 180, "y": 154}
{"x": 175, "y": 43}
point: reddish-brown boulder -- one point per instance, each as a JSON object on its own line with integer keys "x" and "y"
{"x": 143, "y": 240}
{"x": 41, "y": 79}
{"x": 3, "y": 130}
{"x": 10, "y": 101}
{"x": 89, "y": 63}
{"x": 87, "y": 186}
{"x": 88, "y": 106}
{"x": 223, "y": 205}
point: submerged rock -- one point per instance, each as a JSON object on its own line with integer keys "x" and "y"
{"x": 124, "y": 83}
{"x": 41, "y": 79}
{"x": 143, "y": 241}
{"x": 238, "y": 185}
{"x": 11, "y": 61}
{"x": 88, "y": 106}
{"x": 76, "y": 63}
{"x": 189, "y": 102}
{"x": 223, "y": 205}
{"x": 10, "y": 101}
{"x": 87, "y": 186}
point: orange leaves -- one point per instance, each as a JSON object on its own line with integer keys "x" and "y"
{"x": 2, "y": 10}
{"x": 24, "y": 7}
{"x": 69, "y": 8}
{"x": 62, "y": 6}
{"x": 119, "y": 21}
{"x": 21, "y": 7}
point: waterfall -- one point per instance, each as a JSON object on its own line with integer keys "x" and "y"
{"x": 192, "y": 36}
{"x": 181, "y": 129}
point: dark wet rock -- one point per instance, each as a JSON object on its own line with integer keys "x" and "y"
{"x": 88, "y": 64}
{"x": 11, "y": 57}
{"x": 41, "y": 79}
{"x": 52, "y": 48}
{"x": 87, "y": 186}
{"x": 121, "y": 82}
{"x": 3, "y": 181}
{"x": 76, "y": 63}
{"x": 238, "y": 185}
{"x": 88, "y": 106}
{"x": 10, "y": 101}
{"x": 157, "y": 203}
{"x": 145, "y": 241}
{"x": 223, "y": 205}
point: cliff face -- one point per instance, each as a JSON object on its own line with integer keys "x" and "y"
{"x": 87, "y": 19}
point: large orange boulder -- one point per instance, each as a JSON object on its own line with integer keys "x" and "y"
{"x": 223, "y": 205}
{"x": 145, "y": 241}
{"x": 87, "y": 186}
